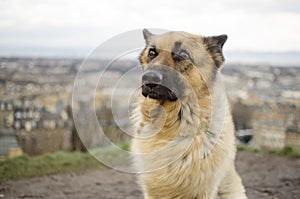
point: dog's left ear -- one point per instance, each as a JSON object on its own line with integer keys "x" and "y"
{"x": 214, "y": 45}
{"x": 147, "y": 35}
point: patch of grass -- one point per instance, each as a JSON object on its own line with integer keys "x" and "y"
{"x": 286, "y": 151}
{"x": 114, "y": 155}
{"x": 247, "y": 148}
{"x": 58, "y": 162}
{"x": 290, "y": 151}
{"x": 125, "y": 146}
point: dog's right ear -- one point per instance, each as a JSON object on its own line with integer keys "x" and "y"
{"x": 214, "y": 46}
{"x": 147, "y": 35}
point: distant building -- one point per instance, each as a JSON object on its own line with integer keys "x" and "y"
{"x": 27, "y": 126}
{"x": 277, "y": 124}
{"x": 9, "y": 146}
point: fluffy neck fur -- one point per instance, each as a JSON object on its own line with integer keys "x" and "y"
{"x": 197, "y": 115}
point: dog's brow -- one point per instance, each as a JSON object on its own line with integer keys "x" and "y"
{"x": 176, "y": 47}
{"x": 152, "y": 46}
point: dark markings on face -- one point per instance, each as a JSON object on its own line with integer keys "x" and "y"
{"x": 176, "y": 48}
{"x": 179, "y": 54}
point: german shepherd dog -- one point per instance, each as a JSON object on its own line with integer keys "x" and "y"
{"x": 184, "y": 141}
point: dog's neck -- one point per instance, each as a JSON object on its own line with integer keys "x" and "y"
{"x": 199, "y": 119}
{"x": 199, "y": 112}
{"x": 186, "y": 117}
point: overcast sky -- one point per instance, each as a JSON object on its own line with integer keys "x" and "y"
{"x": 253, "y": 25}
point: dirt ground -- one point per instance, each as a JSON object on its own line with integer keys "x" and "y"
{"x": 265, "y": 177}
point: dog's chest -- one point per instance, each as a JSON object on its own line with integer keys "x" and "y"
{"x": 189, "y": 175}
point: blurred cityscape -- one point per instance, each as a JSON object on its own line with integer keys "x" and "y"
{"x": 36, "y": 104}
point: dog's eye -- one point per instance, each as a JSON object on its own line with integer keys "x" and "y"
{"x": 181, "y": 56}
{"x": 152, "y": 53}
{"x": 184, "y": 55}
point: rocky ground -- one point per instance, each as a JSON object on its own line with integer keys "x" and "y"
{"x": 265, "y": 177}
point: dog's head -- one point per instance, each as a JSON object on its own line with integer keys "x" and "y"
{"x": 176, "y": 62}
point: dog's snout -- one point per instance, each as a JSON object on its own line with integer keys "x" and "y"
{"x": 159, "y": 83}
{"x": 152, "y": 78}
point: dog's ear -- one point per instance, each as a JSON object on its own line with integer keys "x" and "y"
{"x": 214, "y": 46}
{"x": 147, "y": 35}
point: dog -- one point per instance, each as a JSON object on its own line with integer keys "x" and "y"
{"x": 184, "y": 143}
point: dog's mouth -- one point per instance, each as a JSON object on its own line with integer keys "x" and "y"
{"x": 161, "y": 83}
{"x": 159, "y": 92}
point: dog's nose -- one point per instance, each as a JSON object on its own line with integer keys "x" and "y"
{"x": 152, "y": 78}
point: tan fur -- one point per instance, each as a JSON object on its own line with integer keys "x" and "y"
{"x": 191, "y": 156}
